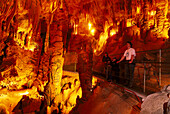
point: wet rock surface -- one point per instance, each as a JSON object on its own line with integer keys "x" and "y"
{"x": 107, "y": 99}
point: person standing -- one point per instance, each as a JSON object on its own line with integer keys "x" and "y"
{"x": 130, "y": 55}
{"x": 107, "y": 62}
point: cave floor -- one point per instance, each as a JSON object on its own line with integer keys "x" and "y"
{"x": 107, "y": 98}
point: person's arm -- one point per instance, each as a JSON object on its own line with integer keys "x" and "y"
{"x": 132, "y": 57}
{"x": 124, "y": 55}
{"x": 121, "y": 59}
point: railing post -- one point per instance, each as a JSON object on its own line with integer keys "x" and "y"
{"x": 107, "y": 72}
{"x": 144, "y": 79}
{"x": 160, "y": 67}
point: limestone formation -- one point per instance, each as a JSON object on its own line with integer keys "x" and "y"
{"x": 36, "y": 35}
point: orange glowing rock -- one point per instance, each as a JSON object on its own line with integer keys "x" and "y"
{"x": 92, "y": 32}
{"x": 90, "y": 25}
{"x": 152, "y": 13}
{"x": 138, "y": 10}
{"x": 112, "y": 32}
{"x": 94, "y": 81}
{"x": 103, "y": 37}
{"x": 70, "y": 91}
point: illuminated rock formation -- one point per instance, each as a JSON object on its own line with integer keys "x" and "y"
{"x": 35, "y": 36}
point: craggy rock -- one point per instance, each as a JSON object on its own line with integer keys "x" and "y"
{"x": 154, "y": 103}
{"x": 28, "y": 105}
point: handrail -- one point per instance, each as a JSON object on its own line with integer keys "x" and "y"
{"x": 153, "y": 62}
{"x": 144, "y": 62}
{"x": 128, "y": 90}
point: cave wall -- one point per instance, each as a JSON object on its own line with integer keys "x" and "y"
{"x": 32, "y": 52}
{"x": 143, "y": 22}
{"x": 35, "y": 35}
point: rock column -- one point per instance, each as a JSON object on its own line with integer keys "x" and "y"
{"x": 85, "y": 69}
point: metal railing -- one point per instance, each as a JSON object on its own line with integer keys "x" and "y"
{"x": 155, "y": 61}
{"x": 157, "y": 64}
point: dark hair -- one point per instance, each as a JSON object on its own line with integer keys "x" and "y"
{"x": 114, "y": 58}
{"x": 106, "y": 53}
{"x": 129, "y": 43}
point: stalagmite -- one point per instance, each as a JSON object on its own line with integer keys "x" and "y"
{"x": 56, "y": 59}
{"x": 85, "y": 68}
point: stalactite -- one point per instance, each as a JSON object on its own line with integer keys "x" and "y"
{"x": 161, "y": 20}
{"x": 11, "y": 13}
{"x": 144, "y": 25}
{"x": 145, "y": 15}
{"x": 129, "y": 7}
